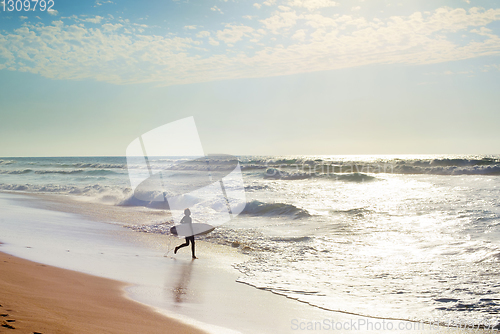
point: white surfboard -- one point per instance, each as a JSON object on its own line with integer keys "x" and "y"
{"x": 187, "y": 230}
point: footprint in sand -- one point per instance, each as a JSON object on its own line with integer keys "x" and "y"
{"x": 6, "y": 324}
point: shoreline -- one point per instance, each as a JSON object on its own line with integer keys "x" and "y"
{"x": 45, "y": 299}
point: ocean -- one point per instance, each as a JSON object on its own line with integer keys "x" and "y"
{"x": 402, "y": 237}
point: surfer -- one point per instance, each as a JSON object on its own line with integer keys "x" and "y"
{"x": 187, "y": 220}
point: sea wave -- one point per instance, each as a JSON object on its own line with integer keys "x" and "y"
{"x": 455, "y": 162}
{"x": 274, "y": 173}
{"x": 350, "y": 177}
{"x": 253, "y": 166}
{"x": 113, "y": 195}
{"x": 17, "y": 171}
{"x": 278, "y": 174}
{"x": 449, "y": 170}
{"x": 100, "y": 172}
{"x": 98, "y": 165}
{"x": 279, "y": 161}
{"x": 50, "y": 188}
{"x": 258, "y": 208}
{"x": 353, "y": 212}
{"x": 303, "y": 167}
{"x": 131, "y": 200}
{"x": 92, "y": 172}
{"x": 48, "y": 171}
{"x": 85, "y": 165}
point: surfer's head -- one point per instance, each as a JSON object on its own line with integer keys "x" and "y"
{"x": 187, "y": 212}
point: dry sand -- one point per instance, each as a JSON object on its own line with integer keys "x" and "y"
{"x": 36, "y": 298}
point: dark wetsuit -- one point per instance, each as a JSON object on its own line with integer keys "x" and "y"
{"x": 187, "y": 220}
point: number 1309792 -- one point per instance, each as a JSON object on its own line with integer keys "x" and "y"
{"x": 27, "y": 5}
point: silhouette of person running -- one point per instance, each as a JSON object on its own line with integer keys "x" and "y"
{"x": 187, "y": 220}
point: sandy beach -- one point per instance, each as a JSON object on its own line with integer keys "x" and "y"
{"x": 37, "y": 298}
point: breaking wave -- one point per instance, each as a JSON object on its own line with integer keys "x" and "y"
{"x": 19, "y": 171}
{"x": 301, "y": 168}
{"x": 258, "y": 208}
{"x": 94, "y": 172}
{"x": 277, "y": 174}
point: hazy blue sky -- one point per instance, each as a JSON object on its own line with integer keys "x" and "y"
{"x": 260, "y": 77}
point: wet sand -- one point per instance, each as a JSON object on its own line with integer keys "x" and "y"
{"x": 37, "y": 298}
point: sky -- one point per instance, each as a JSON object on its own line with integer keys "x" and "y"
{"x": 283, "y": 77}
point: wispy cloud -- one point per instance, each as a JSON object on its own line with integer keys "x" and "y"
{"x": 213, "y": 42}
{"x": 96, "y": 19}
{"x": 269, "y": 2}
{"x": 290, "y": 40}
{"x": 233, "y": 34}
{"x": 299, "y": 35}
{"x": 495, "y": 67}
{"x": 111, "y": 27}
{"x": 307, "y": 4}
{"x": 83, "y": 18}
{"x": 202, "y": 34}
{"x": 281, "y": 20}
{"x": 216, "y": 9}
{"x": 102, "y": 2}
{"x": 449, "y": 72}
{"x": 313, "y": 4}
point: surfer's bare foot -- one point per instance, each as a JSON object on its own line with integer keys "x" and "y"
{"x": 175, "y": 250}
{"x": 194, "y": 257}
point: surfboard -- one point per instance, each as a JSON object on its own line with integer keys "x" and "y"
{"x": 187, "y": 230}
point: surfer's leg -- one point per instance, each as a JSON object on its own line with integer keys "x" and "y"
{"x": 192, "y": 246}
{"x": 180, "y": 246}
